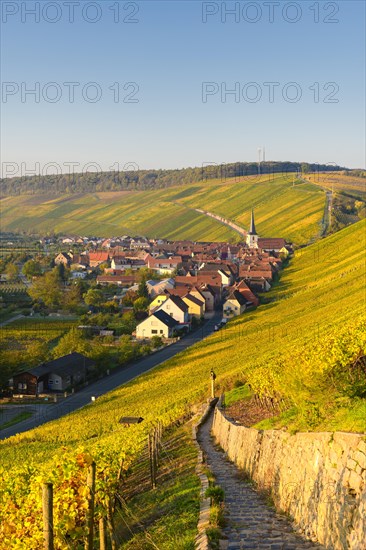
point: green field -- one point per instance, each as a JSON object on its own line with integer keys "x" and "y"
{"x": 282, "y": 210}
{"x": 312, "y": 325}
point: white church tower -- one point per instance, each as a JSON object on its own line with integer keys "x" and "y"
{"x": 252, "y": 237}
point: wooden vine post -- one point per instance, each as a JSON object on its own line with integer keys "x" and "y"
{"x": 102, "y": 535}
{"x": 47, "y": 506}
{"x": 213, "y": 378}
{"x": 90, "y": 509}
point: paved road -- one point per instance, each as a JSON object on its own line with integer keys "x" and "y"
{"x": 44, "y": 413}
{"x": 250, "y": 522}
{"x": 11, "y": 320}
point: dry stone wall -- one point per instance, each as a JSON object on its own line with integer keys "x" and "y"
{"x": 319, "y": 479}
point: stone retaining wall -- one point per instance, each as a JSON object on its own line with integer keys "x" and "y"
{"x": 319, "y": 479}
{"x": 201, "y": 542}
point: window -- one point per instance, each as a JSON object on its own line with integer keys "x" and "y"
{"x": 154, "y": 331}
{"x": 161, "y": 332}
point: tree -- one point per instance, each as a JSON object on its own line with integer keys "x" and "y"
{"x": 73, "y": 297}
{"x": 37, "y": 352}
{"x": 141, "y": 304}
{"x": 11, "y": 271}
{"x": 143, "y": 291}
{"x": 94, "y": 297}
{"x": 129, "y": 298}
{"x": 32, "y": 269}
{"x": 128, "y": 324}
{"x": 72, "y": 341}
{"x": 63, "y": 272}
{"x": 47, "y": 289}
{"x": 305, "y": 168}
{"x": 126, "y": 350}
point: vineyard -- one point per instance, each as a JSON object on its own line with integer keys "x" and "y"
{"x": 282, "y": 209}
{"x": 303, "y": 348}
{"x": 349, "y": 184}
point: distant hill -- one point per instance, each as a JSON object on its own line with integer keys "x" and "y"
{"x": 136, "y": 179}
{"x": 284, "y": 207}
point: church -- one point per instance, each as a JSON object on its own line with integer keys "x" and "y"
{"x": 266, "y": 244}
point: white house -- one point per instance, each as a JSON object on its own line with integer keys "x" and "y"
{"x": 234, "y": 305}
{"x": 158, "y": 324}
{"x": 176, "y": 308}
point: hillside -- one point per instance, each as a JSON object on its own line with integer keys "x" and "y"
{"x": 130, "y": 177}
{"x": 293, "y": 346}
{"x": 284, "y": 210}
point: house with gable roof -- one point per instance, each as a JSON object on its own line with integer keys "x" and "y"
{"x": 158, "y": 324}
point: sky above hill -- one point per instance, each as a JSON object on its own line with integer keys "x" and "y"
{"x": 166, "y": 84}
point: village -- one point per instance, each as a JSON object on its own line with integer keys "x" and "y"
{"x": 143, "y": 294}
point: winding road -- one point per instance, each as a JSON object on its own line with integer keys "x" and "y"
{"x": 45, "y": 413}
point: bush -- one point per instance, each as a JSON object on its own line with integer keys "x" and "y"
{"x": 156, "y": 342}
{"x": 216, "y": 494}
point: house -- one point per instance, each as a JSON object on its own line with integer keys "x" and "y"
{"x": 254, "y": 272}
{"x": 63, "y": 258}
{"x": 158, "y": 287}
{"x": 56, "y": 375}
{"x": 157, "y": 301}
{"x": 163, "y": 264}
{"x": 258, "y": 284}
{"x": 271, "y": 245}
{"x": 245, "y": 291}
{"x": 157, "y": 324}
{"x": 209, "y": 296}
{"x": 118, "y": 262}
{"x": 195, "y": 306}
{"x": 79, "y": 261}
{"x": 176, "y": 308}
{"x": 78, "y": 274}
{"x": 97, "y": 258}
{"x": 234, "y": 305}
{"x": 199, "y": 295}
{"x": 115, "y": 279}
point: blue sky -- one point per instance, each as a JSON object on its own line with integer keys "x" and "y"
{"x": 168, "y": 55}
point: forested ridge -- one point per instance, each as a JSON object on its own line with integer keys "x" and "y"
{"x": 87, "y": 182}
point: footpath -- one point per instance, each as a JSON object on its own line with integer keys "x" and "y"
{"x": 250, "y": 522}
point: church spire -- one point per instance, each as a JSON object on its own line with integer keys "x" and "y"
{"x": 252, "y": 230}
{"x": 252, "y": 235}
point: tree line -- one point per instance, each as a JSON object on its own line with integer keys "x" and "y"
{"x": 87, "y": 182}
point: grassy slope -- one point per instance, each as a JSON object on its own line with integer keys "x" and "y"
{"x": 324, "y": 286}
{"x": 281, "y": 210}
{"x": 167, "y": 516}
